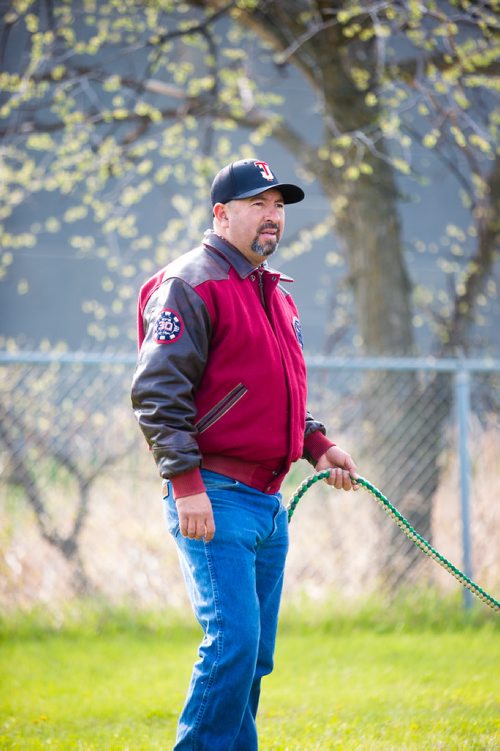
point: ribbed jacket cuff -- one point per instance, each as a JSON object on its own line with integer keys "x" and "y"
{"x": 189, "y": 483}
{"x": 315, "y": 444}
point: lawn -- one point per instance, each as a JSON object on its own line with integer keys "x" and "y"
{"x": 119, "y": 686}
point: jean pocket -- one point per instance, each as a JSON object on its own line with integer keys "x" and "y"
{"x": 171, "y": 516}
{"x": 280, "y": 520}
{"x": 215, "y": 481}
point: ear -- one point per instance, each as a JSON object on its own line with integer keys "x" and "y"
{"x": 221, "y": 214}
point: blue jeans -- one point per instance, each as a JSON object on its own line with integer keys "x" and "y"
{"x": 234, "y": 583}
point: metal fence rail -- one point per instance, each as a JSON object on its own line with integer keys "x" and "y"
{"x": 81, "y": 508}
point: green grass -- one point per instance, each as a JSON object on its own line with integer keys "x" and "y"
{"x": 382, "y": 678}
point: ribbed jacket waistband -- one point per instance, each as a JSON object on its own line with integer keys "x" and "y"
{"x": 250, "y": 473}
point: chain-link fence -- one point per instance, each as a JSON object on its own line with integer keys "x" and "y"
{"x": 81, "y": 507}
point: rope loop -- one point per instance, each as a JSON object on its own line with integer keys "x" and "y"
{"x": 404, "y": 526}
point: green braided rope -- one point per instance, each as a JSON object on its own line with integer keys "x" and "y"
{"x": 405, "y": 527}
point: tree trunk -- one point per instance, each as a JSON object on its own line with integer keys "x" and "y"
{"x": 399, "y": 444}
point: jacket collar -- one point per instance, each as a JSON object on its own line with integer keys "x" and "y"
{"x": 241, "y": 265}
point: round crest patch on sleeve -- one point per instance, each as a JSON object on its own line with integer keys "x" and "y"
{"x": 168, "y": 327}
{"x": 298, "y": 331}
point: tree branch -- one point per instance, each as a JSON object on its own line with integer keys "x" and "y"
{"x": 480, "y": 265}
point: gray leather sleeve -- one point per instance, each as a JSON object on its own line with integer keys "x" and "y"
{"x": 167, "y": 375}
{"x": 311, "y": 426}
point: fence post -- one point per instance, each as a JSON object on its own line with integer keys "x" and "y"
{"x": 462, "y": 402}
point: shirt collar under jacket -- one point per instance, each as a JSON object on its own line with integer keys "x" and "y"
{"x": 242, "y": 265}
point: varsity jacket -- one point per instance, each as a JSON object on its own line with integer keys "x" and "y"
{"x": 221, "y": 380}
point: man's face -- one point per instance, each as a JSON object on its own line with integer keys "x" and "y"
{"x": 255, "y": 225}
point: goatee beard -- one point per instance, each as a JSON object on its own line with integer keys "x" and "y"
{"x": 264, "y": 249}
{"x": 268, "y": 247}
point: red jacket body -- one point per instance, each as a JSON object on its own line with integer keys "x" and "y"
{"x": 221, "y": 378}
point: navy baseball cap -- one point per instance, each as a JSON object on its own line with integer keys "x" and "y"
{"x": 249, "y": 177}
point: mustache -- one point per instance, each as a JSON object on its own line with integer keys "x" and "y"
{"x": 269, "y": 225}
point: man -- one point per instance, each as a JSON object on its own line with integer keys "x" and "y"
{"x": 220, "y": 395}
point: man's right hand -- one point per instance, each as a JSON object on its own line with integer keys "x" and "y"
{"x": 196, "y": 519}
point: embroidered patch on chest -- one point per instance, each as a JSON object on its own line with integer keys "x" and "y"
{"x": 298, "y": 332}
{"x": 168, "y": 327}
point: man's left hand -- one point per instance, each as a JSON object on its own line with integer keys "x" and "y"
{"x": 341, "y": 466}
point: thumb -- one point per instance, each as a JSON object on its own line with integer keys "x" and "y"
{"x": 350, "y": 466}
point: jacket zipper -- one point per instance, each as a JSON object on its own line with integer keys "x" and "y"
{"x": 260, "y": 272}
{"x": 220, "y": 409}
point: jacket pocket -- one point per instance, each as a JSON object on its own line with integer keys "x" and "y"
{"x": 220, "y": 409}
